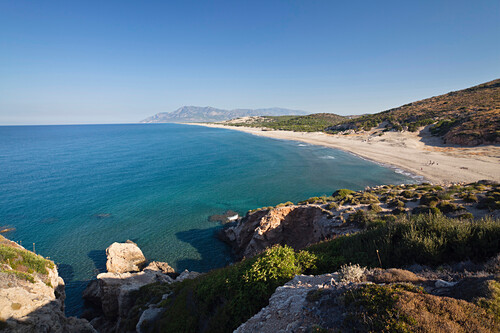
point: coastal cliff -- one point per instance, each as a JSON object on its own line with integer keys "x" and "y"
{"x": 32, "y": 294}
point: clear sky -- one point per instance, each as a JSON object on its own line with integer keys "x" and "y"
{"x": 121, "y": 61}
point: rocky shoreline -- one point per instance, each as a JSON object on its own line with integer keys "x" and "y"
{"x": 135, "y": 295}
{"x": 112, "y": 296}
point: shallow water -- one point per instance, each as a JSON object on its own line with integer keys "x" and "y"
{"x": 73, "y": 190}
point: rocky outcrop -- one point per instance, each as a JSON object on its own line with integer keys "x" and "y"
{"x": 32, "y": 302}
{"x": 112, "y": 291}
{"x": 317, "y": 303}
{"x": 124, "y": 257}
{"x": 113, "y": 294}
{"x": 297, "y": 226}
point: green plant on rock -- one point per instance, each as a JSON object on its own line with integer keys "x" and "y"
{"x": 342, "y": 193}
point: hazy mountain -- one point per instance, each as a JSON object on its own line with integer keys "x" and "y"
{"x": 188, "y": 114}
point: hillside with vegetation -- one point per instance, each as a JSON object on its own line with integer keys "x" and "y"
{"x": 427, "y": 226}
{"x": 310, "y": 123}
{"x": 466, "y": 117}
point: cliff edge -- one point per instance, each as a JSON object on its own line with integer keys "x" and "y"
{"x": 32, "y": 293}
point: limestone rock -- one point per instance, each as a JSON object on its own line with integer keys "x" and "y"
{"x": 112, "y": 294}
{"x": 36, "y": 306}
{"x": 159, "y": 266}
{"x": 124, "y": 257}
{"x": 148, "y": 316}
{"x": 187, "y": 275}
{"x": 296, "y": 226}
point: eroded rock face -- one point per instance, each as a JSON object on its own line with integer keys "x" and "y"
{"x": 124, "y": 257}
{"x": 296, "y": 226}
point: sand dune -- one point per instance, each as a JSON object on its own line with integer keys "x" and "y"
{"x": 419, "y": 154}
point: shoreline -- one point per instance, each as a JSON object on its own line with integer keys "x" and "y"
{"x": 422, "y": 156}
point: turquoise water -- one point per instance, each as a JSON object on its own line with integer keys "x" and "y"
{"x": 73, "y": 190}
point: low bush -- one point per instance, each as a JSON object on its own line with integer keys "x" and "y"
{"x": 333, "y": 206}
{"x": 425, "y": 210}
{"x": 407, "y": 194}
{"x": 423, "y": 239}
{"x": 447, "y": 207}
{"x": 342, "y": 193}
{"x": 375, "y": 208}
{"x": 224, "y": 298}
{"x": 430, "y": 200}
{"x": 469, "y": 197}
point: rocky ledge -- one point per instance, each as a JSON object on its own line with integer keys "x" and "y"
{"x": 112, "y": 296}
{"x": 296, "y": 225}
{"x": 356, "y": 299}
{"x": 32, "y": 294}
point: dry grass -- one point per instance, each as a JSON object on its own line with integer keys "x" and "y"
{"x": 392, "y": 275}
{"x": 443, "y": 314}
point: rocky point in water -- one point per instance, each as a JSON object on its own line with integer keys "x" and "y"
{"x": 112, "y": 295}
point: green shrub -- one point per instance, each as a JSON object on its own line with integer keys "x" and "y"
{"x": 396, "y": 203}
{"x": 285, "y": 204}
{"x": 360, "y": 217}
{"x": 429, "y": 200}
{"x": 224, "y": 298}
{"x": 466, "y": 216}
{"x": 398, "y": 211}
{"x": 425, "y": 239}
{"x": 375, "y": 208}
{"x": 407, "y": 194}
{"x": 342, "y": 193}
{"x": 368, "y": 198}
{"x": 469, "y": 197}
{"x": 425, "y": 210}
{"x": 447, "y": 207}
{"x": 333, "y": 206}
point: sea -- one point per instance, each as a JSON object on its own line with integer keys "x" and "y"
{"x": 71, "y": 191}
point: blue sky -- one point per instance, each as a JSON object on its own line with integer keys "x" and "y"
{"x": 121, "y": 61}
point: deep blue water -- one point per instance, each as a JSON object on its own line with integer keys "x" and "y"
{"x": 159, "y": 183}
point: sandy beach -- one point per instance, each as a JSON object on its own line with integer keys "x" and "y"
{"x": 418, "y": 154}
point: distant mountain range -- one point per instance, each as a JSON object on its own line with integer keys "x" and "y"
{"x": 191, "y": 114}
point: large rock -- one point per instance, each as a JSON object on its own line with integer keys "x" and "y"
{"x": 124, "y": 257}
{"x": 296, "y": 226}
{"x": 112, "y": 291}
{"x": 112, "y": 294}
